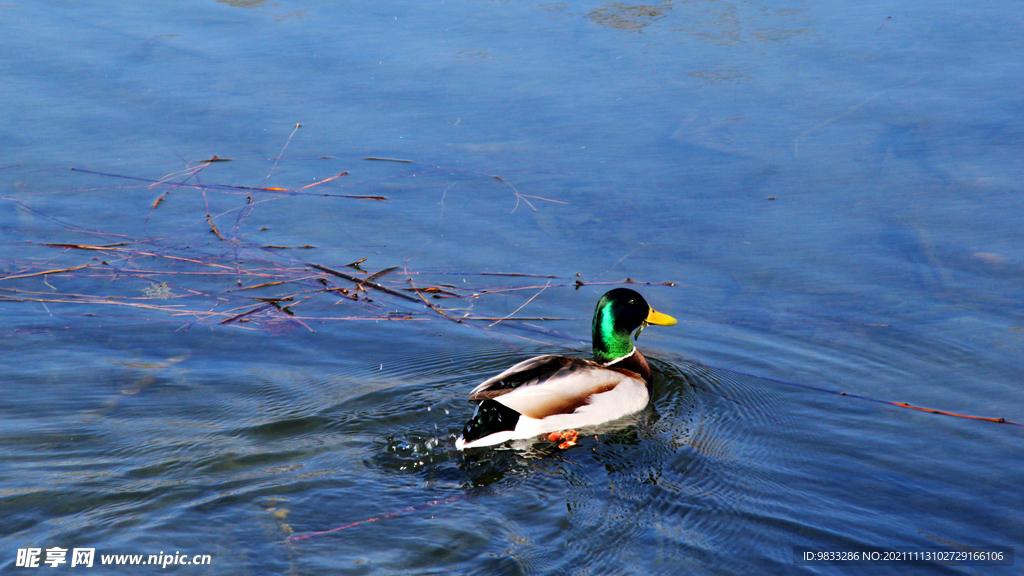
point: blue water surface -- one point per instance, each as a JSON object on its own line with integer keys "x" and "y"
{"x": 827, "y": 196}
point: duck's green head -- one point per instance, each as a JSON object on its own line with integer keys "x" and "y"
{"x": 620, "y": 312}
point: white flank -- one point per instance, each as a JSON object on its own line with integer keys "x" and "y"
{"x": 628, "y": 397}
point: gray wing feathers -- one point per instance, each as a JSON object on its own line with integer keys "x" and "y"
{"x": 518, "y": 375}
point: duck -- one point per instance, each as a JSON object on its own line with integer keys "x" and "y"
{"x": 551, "y": 393}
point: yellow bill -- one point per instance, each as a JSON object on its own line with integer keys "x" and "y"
{"x": 659, "y": 319}
{"x": 656, "y": 318}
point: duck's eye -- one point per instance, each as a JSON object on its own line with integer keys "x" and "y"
{"x": 632, "y": 302}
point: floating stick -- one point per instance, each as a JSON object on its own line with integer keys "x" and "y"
{"x": 264, "y": 285}
{"x": 518, "y": 195}
{"x": 388, "y": 159}
{"x": 323, "y": 181}
{"x": 859, "y": 397}
{"x": 431, "y": 306}
{"x": 355, "y": 280}
{"x": 259, "y": 308}
{"x": 214, "y": 228}
{"x": 283, "y": 148}
{"x": 997, "y": 420}
{"x": 228, "y": 187}
{"x": 46, "y": 272}
{"x": 374, "y": 276}
{"x": 515, "y": 274}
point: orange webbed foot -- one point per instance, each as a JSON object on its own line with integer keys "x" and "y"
{"x": 567, "y": 438}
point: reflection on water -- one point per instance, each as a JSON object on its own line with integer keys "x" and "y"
{"x": 622, "y": 16}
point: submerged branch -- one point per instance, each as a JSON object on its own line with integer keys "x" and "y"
{"x": 359, "y": 281}
{"x": 431, "y": 306}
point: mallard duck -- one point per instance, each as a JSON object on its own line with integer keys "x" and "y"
{"x": 551, "y": 393}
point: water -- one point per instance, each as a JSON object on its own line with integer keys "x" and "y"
{"x": 833, "y": 189}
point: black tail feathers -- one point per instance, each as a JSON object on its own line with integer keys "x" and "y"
{"x": 490, "y": 417}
